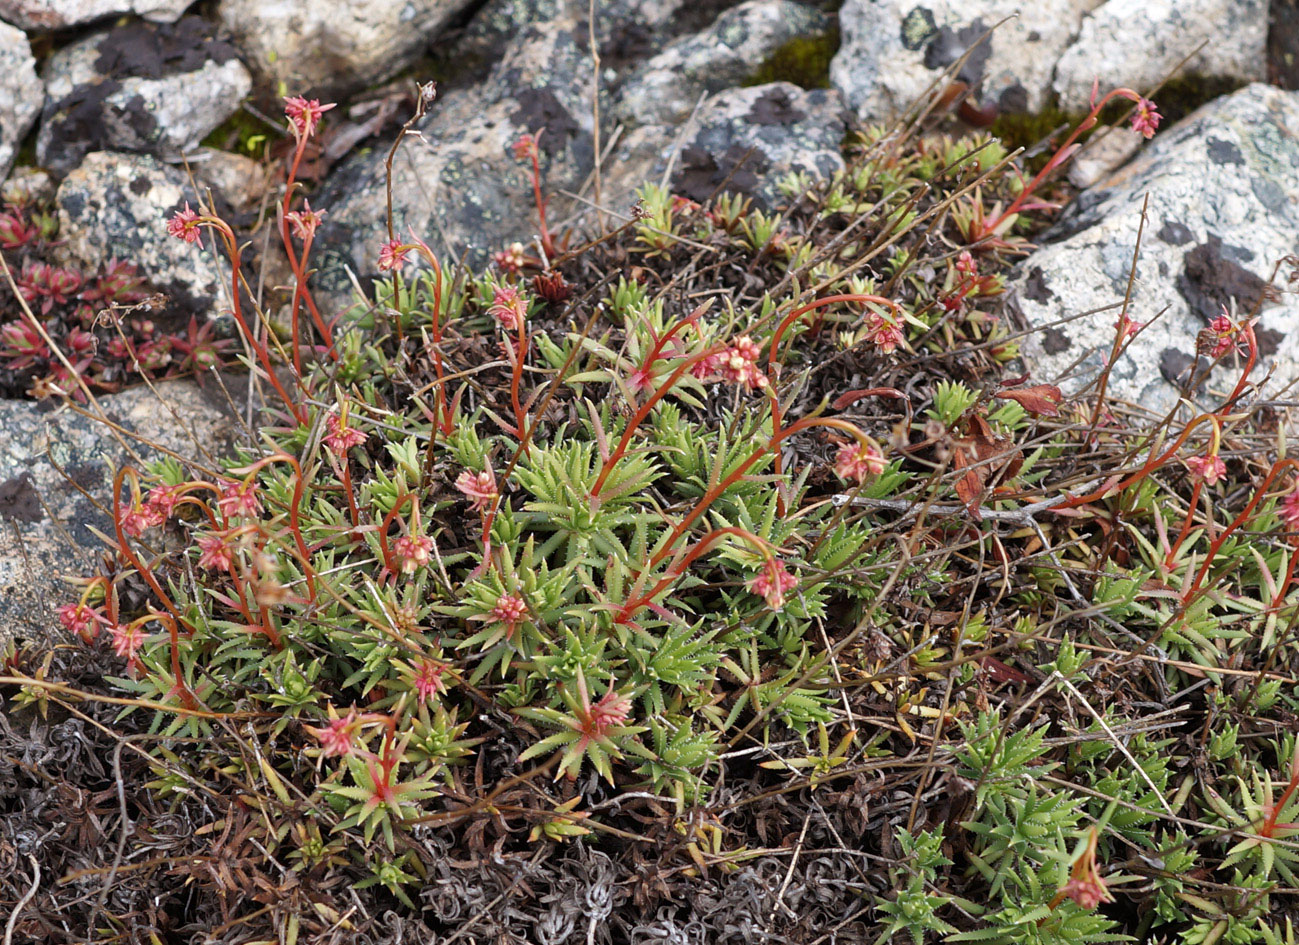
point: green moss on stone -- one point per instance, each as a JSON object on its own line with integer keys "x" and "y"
{"x": 1176, "y": 99}
{"x": 242, "y": 133}
{"x": 803, "y": 60}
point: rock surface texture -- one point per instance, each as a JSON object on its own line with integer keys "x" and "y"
{"x": 56, "y": 475}
{"x": 1223, "y": 189}
{"x": 323, "y": 47}
{"x": 1138, "y": 43}
{"x": 21, "y": 93}
{"x": 893, "y": 50}
{"x": 458, "y": 184}
{"x": 668, "y": 87}
{"x": 741, "y": 141}
{"x": 115, "y": 206}
{"x": 138, "y": 88}
{"x": 60, "y": 14}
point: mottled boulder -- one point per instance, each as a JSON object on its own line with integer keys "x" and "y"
{"x": 1138, "y": 43}
{"x": 60, "y": 14}
{"x": 117, "y": 205}
{"x": 1224, "y": 209}
{"x": 21, "y": 93}
{"x": 893, "y": 50}
{"x": 742, "y": 140}
{"x": 625, "y": 30}
{"x": 327, "y": 48}
{"x": 458, "y": 184}
{"x": 667, "y": 87}
{"x": 240, "y": 181}
{"x": 139, "y": 87}
{"x": 56, "y": 474}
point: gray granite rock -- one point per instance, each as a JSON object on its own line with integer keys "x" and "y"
{"x": 892, "y": 50}
{"x": 666, "y": 88}
{"x": 27, "y": 185}
{"x": 329, "y": 48}
{"x": 1224, "y": 209}
{"x": 60, "y": 14}
{"x": 240, "y": 181}
{"x": 47, "y": 516}
{"x": 117, "y": 205}
{"x": 139, "y": 87}
{"x": 21, "y": 93}
{"x": 1137, "y": 43}
{"x": 742, "y": 140}
{"x": 625, "y": 30}
{"x": 459, "y": 184}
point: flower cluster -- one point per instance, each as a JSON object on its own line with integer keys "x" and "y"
{"x": 858, "y": 461}
{"x": 509, "y": 307}
{"x": 773, "y": 583}
{"x": 739, "y": 364}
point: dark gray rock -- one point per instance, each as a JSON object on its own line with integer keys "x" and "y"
{"x": 139, "y": 87}
{"x": 48, "y": 517}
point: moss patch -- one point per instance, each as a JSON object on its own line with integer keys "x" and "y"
{"x": 241, "y": 133}
{"x": 803, "y": 60}
{"x": 1177, "y": 98}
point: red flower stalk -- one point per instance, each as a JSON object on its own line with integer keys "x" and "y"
{"x": 1085, "y": 885}
{"x": 527, "y": 149}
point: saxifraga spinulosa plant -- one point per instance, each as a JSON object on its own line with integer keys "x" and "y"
{"x": 536, "y": 529}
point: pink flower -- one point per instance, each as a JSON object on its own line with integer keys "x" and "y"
{"x": 215, "y": 553}
{"x": 336, "y": 736}
{"x": 305, "y": 221}
{"x": 772, "y": 583}
{"x": 80, "y": 619}
{"x": 1222, "y": 325}
{"x": 139, "y": 518}
{"x": 884, "y": 333}
{"x": 509, "y": 307}
{"x": 412, "y": 552}
{"x": 511, "y": 259}
{"x": 1210, "y": 468}
{"x": 239, "y": 499}
{"x": 479, "y": 487}
{"x": 304, "y": 115}
{"x": 612, "y": 710}
{"x": 428, "y": 679}
{"x": 525, "y": 147}
{"x": 392, "y": 255}
{"x": 184, "y": 225}
{"x": 1127, "y": 325}
{"x": 1146, "y": 118}
{"x": 509, "y": 610}
{"x": 858, "y": 461}
{"x": 739, "y": 364}
{"x": 163, "y": 499}
{"x": 340, "y": 437}
{"x": 1290, "y": 508}
{"x": 126, "y": 640}
{"x": 1085, "y": 885}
